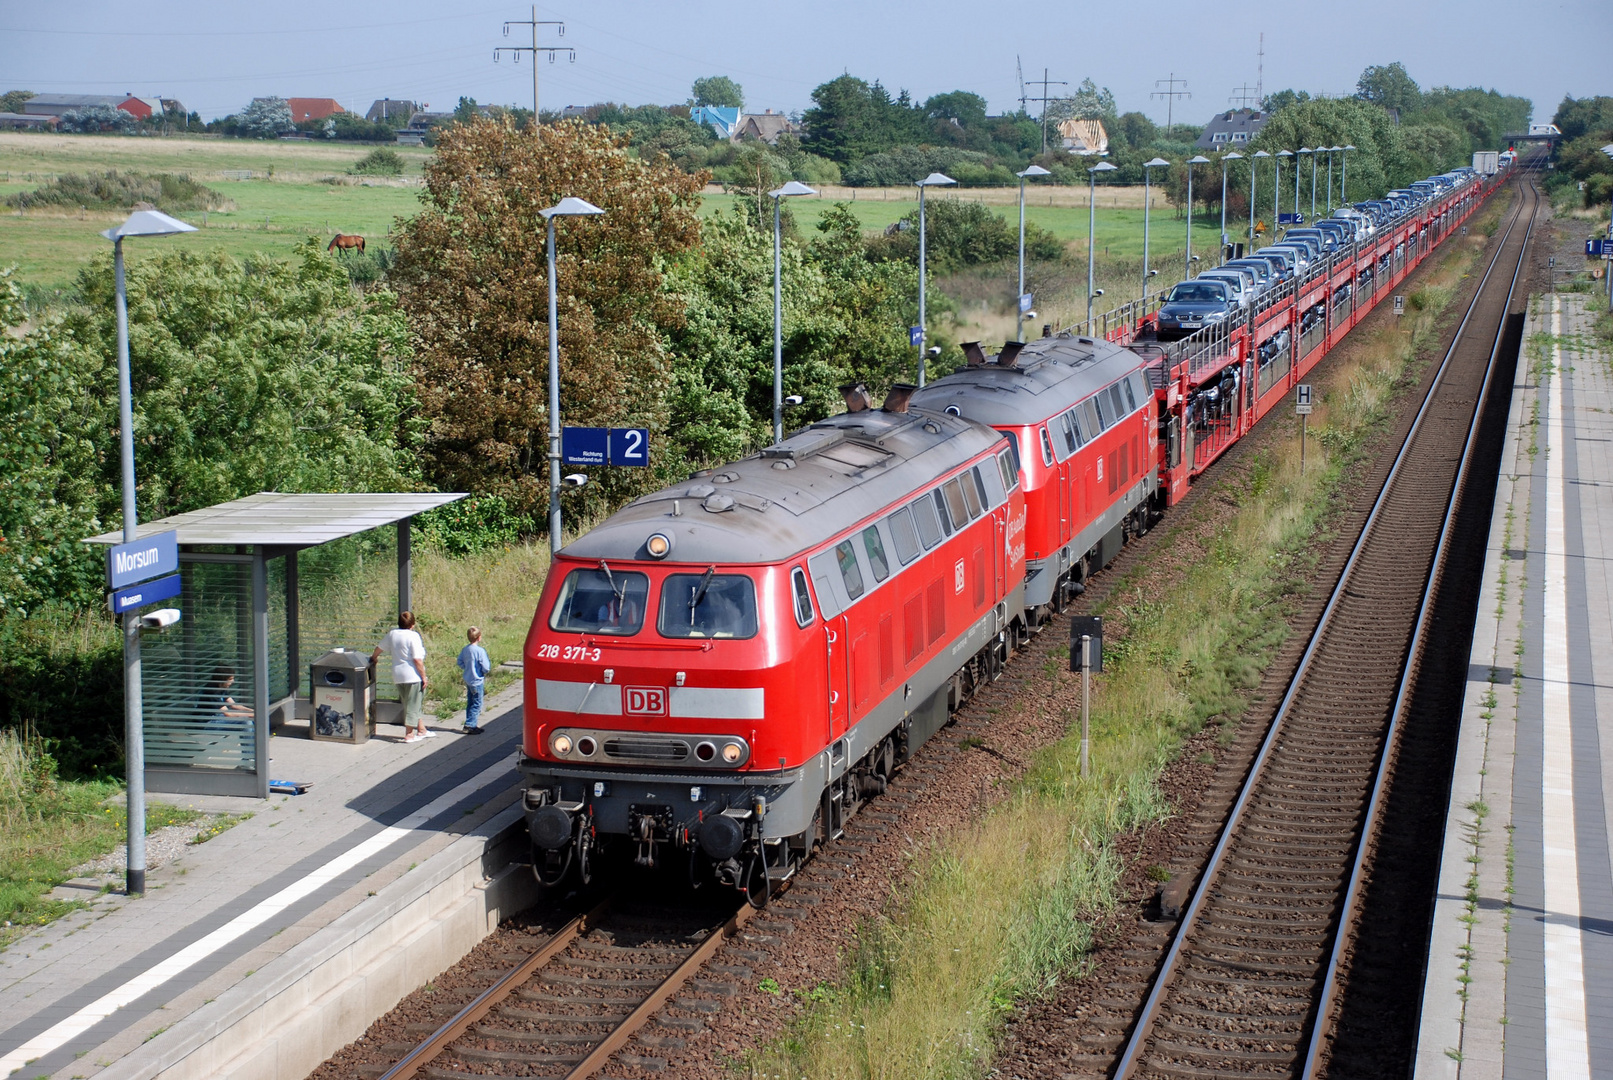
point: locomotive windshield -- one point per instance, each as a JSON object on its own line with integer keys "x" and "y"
{"x": 601, "y": 602}
{"x": 707, "y": 606}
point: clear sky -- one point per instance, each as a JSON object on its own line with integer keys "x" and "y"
{"x": 216, "y": 55}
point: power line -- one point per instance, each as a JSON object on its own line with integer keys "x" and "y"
{"x": 1243, "y": 96}
{"x": 1170, "y": 94}
{"x": 534, "y": 49}
{"x": 1044, "y": 82}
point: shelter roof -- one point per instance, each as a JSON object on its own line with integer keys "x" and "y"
{"x": 271, "y": 517}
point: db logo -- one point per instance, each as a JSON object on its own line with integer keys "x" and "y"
{"x": 646, "y": 700}
{"x": 957, "y": 577}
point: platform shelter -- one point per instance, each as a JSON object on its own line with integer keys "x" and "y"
{"x": 270, "y": 583}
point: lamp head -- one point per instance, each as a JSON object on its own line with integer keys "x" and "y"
{"x": 1102, "y": 166}
{"x": 148, "y": 223}
{"x": 1198, "y": 159}
{"x": 1608, "y": 150}
{"x": 1285, "y": 153}
{"x": 1347, "y": 146}
{"x": 571, "y": 207}
{"x": 936, "y": 179}
{"x": 1305, "y": 150}
{"x": 1155, "y": 163}
{"x": 1034, "y": 170}
{"x": 1261, "y": 153}
{"x": 1234, "y": 156}
{"x": 794, "y": 187}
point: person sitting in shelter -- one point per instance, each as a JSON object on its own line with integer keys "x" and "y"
{"x": 216, "y": 704}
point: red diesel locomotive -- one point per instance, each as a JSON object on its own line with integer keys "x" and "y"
{"x": 722, "y": 671}
{"x": 1081, "y": 416}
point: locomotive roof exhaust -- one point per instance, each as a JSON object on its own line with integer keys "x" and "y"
{"x": 857, "y": 399}
{"x": 900, "y": 393}
{"x": 972, "y": 350}
{"x": 1010, "y": 353}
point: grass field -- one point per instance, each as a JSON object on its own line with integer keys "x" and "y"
{"x": 284, "y": 201}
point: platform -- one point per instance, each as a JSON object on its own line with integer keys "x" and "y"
{"x": 1519, "y": 979}
{"x": 241, "y": 957}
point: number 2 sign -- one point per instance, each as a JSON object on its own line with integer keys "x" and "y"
{"x": 630, "y": 446}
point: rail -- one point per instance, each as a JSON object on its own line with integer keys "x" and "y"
{"x": 1144, "y": 1030}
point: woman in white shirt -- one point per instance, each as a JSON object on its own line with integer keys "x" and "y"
{"x": 408, "y": 654}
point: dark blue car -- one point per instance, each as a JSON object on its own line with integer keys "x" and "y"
{"x": 1191, "y": 306}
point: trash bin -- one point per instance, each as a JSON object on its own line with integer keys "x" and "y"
{"x": 343, "y": 692}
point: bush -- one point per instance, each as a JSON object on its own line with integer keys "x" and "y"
{"x": 962, "y": 234}
{"x": 61, "y": 673}
{"x": 473, "y": 525}
{"x": 113, "y": 190}
{"x": 97, "y": 118}
{"x": 381, "y": 161}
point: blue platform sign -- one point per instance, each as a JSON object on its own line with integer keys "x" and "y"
{"x": 605, "y": 446}
{"x": 147, "y": 592}
{"x": 585, "y": 446}
{"x": 1024, "y": 303}
{"x": 1593, "y": 248}
{"x": 630, "y": 446}
{"x": 915, "y": 335}
{"x": 1290, "y": 219}
{"x": 143, "y": 559}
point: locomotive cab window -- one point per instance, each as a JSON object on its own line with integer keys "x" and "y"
{"x": 876, "y": 553}
{"x": 1073, "y": 419}
{"x": 1105, "y": 412}
{"x": 957, "y": 505}
{"x": 1091, "y": 419}
{"x": 601, "y": 602}
{"x": 929, "y": 522}
{"x": 707, "y": 605}
{"x": 904, "y": 535}
{"x": 850, "y": 572}
{"x": 1008, "y": 465}
{"x": 947, "y": 524}
{"x": 1068, "y": 432}
{"x": 974, "y": 492}
{"x": 1047, "y": 447}
{"x": 803, "y": 597}
{"x": 1117, "y": 401}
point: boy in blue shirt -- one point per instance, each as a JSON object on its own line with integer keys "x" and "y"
{"x": 474, "y": 663}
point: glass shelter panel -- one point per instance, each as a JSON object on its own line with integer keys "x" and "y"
{"x": 197, "y": 678}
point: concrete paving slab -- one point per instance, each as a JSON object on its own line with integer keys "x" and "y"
{"x": 1520, "y": 968}
{"x": 88, "y": 991}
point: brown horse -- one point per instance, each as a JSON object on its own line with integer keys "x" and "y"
{"x": 347, "y": 243}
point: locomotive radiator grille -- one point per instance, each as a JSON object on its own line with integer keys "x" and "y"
{"x": 644, "y": 748}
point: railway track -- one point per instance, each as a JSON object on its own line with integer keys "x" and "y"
{"x": 1251, "y": 982}
{"x": 585, "y": 996}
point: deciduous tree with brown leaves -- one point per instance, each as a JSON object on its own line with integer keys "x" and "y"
{"x": 471, "y": 274}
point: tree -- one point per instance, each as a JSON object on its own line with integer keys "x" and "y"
{"x": 1282, "y": 99}
{"x": 851, "y": 119}
{"x": 962, "y": 234}
{"x": 958, "y": 107}
{"x": 97, "y": 118}
{"x": 265, "y": 118}
{"x": 13, "y": 100}
{"x": 471, "y": 275}
{"x": 717, "y": 91}
{"x": 466, "y": 112}
{"x": 1087, "y": 103}
{"x": 1135, "y": 130}
{"x": 1389, "y": 86}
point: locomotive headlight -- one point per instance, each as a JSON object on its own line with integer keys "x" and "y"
{"x": 731, "y": 753}
{"x": 658, "y": 545}
{"x": 561, "y": 744}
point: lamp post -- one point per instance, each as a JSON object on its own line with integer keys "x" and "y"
{"x": 1330, "y": 152}
{"x": 1187, "y": 262}
{"x": 1019, "y": 297}
{"x": 1234, "y": 156}
{"x": 1253, "y": 169}
{"x": 935, "y": 179}
{"x": 1344, "y": 174}
{"x": 1277, "y": 187}
{"x": 788, "y": 190}
{"x": 139, "y": 223}
{"x": 1302, "y": 150}
{"x": 1092, "y": 228}
{"x": 1147, "y": 165}
{"x": 567, "y": 207}
{"x": 1314, "y": 156}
